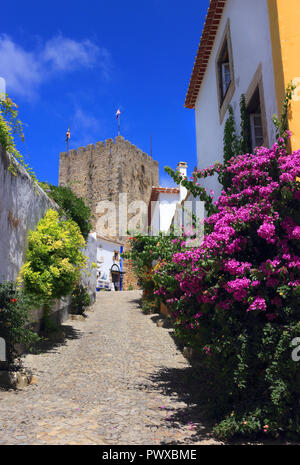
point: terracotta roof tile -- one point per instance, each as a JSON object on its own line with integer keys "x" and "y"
{"x": 210, "y": 28}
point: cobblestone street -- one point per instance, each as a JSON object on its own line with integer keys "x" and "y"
{"x": 116, "y": 378}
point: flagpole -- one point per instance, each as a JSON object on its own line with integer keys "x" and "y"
{"x": 67, "y": 140}
{"x": 118, "y": 114}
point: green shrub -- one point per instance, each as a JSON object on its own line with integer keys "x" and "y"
{"x": 14, "y": 319}
{"x": 74, "y": 207}
{"x": 10, "y": 126}
{"x": 145, "y": 254}
{"x": 80, "y": 300}
{"x": 54, "y": 258}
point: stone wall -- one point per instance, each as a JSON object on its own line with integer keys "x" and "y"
{"x": 105, "y": 170}
{"x": 22, "y": 204}
{"x": 102, "y": 171}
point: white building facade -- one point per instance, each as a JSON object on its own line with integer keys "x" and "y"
{"x": 234, "y": 58}
{"x": 164, "y": 203}
{"x": 108, "y": 257}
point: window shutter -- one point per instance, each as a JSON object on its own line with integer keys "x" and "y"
{"x": 257, "y": 135}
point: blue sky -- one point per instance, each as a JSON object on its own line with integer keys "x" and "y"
{"x": 75, "y": 63}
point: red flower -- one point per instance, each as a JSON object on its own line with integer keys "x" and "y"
{"x": 13, "y": 300}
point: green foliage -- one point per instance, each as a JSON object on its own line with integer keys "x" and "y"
{"x": 80, "y": 300}
{"x": 230, "y": 137}
{"x": 235, "y": 145}
{"x": 74, "y": 207}
{"x": 10, "y": 125}
{"x": 54, "y": 258}
{"x": 194, "y": 188}
{"x": 146, "y": 255}
{"x": 245, "y": 139}
{"x": 14, "y": 319}
{"x": 281, "y": 124}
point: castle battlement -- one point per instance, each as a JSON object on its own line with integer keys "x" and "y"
{"x": 99, "y": 147}
{"x": 103, "y": 170}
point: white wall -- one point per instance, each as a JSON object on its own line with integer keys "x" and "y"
{"x": 89, "y": 276}
{"x": 163, "y": 213}
{"x": 105, "y": 255}
{"x": 251, "y": 44}
{"x": 168, "y": 204}
{"x": 22, "y": 204}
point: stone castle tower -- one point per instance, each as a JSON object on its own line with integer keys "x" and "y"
{"x": 103, "y": 171}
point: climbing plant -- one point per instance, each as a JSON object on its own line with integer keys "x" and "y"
{"x": 10, "y": 126}
{"x": 281, "y": 124}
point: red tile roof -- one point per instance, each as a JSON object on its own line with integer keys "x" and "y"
{"x": 209, "y": 32}
{"x": 164, "y": 190}
{"x": 154, "y": 197}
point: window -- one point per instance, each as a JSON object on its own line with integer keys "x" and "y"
{"x": 256, "y": 123}
{"x": 257, "y": 137}
{"x": 256, "y": 109}
{"x": 116, "y": 256}
{"x": 225, "y": 76}
{"x": 225, "y": 72}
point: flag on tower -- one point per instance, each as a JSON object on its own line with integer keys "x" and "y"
{"x": 68, "y": 134}
{"x": 118, "y": 113}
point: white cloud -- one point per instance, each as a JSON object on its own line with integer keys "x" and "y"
{"x": 25, "y": 70}
{"x": 85, "y": 128}
{"x": 66, "y": 54}
{"x": 85, "y": 121}
{"x": 19, "y": 68}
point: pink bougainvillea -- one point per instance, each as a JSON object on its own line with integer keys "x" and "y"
{"x": 236, "y": 297}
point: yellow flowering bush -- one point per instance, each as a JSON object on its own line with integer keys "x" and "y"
{"x": 54, "y": 258}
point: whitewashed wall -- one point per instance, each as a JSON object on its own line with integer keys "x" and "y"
{"x": 105, "y": 255}
{"x": 251, "y": 44}
{"x": 163, "y": 212}
{"x": 22, "y": 205}
{"x": 89, "y": 276}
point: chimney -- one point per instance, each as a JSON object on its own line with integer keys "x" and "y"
{"x": 182, "y": 169}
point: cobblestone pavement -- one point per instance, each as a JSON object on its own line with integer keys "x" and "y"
{"x": 116, "y": 378}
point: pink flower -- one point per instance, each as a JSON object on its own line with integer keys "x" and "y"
{"x": 258, "y": 304}
{"x": 266, "y": 231}
{"x": 296, "y": 232}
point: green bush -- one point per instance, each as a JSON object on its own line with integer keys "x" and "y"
{"x": 54, "y": 258}
{"x": 10, "y": 126}
{"x": 145, "y": 254}
{"x": 80, "y": 300}
{"x": 14, "y": 319}
{"x": 74, "y": 207}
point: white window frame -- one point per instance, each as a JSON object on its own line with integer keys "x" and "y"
{"x": 252, "y": 125}
{"x": 225, "y": 72}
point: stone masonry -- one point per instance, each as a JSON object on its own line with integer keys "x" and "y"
{"x": 103, "y": 171}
